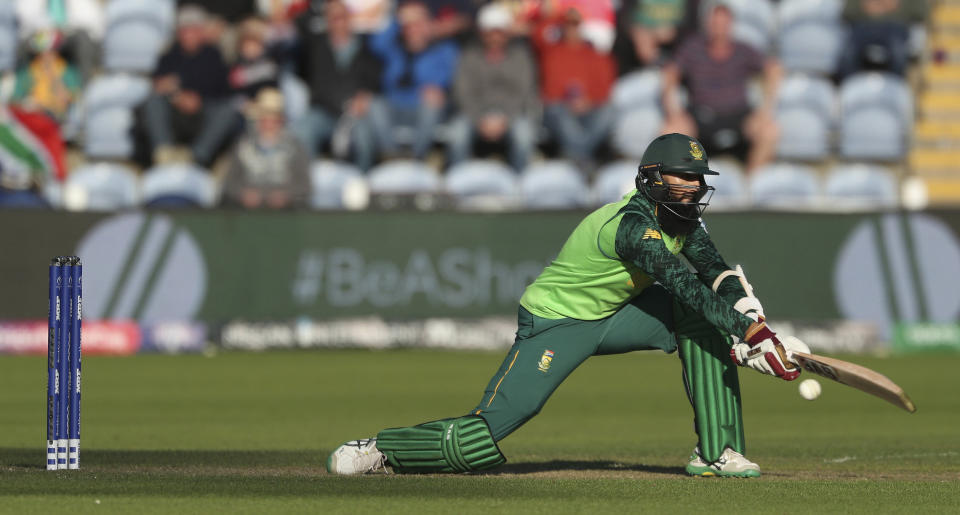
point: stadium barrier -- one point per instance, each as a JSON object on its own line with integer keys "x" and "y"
{"x": 257, "y": 280}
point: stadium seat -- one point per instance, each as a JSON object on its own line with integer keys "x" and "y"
{"x": 178, "y": 185}
{"x": 116, "y": 90}
{"x": 330, "y": 180}
{"x": 101, "y": 187}
{"x": 21, "y": 199}
{"x": 861, "y": 185}
{"x": 8, "y": 36}
{"x": 783, "y": 185}
{"x": 876, "y": 116}
{"x": 754, "y": 21}
{"x": 730, "y": 187}
{"x": 553, "y": 184}
{"x": 635, "y": 129}
{"x": 108, "y": 104}
{"x": 811, "y": 35}
{"x": 483, "y": 184}
{"x": 637, "y": 89}
{"x": 107, "y": 133}
{"x": 137, "y": 32}
{"x": 403, "y": 176}
{"x": 806, "y": 107}
{"x": 613, "y": 181}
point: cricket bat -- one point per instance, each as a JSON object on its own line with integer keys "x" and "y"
{"x": 850, "y": 374}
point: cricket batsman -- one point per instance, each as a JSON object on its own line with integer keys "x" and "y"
{"x": 618, "y": 285}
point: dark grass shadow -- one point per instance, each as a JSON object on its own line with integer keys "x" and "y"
{"x": 19, "y": 458}
{"x": 584, "y": 466}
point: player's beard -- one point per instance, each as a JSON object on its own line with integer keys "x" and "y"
{"x": 678, "y": 219}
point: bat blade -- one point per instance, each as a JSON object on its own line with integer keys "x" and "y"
{"x": 855, "y": 376}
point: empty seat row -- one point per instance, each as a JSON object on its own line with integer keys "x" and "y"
{"x": 479, "y": 184}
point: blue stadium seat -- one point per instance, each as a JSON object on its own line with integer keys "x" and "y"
{"x": 403, "y": 176}
{"x": 21, "y": 199}
{"x": 613, "y": 181}
{"x": 806, "y": 107}
{"x": 137, "y": 32}
{"x": 635, "y": 129}
{"x": 483, "y": 184}
{"x": 8, "y": 36}
{"x": 178, "y": 185}
{"x": 861, "y": 185}
{"x": 730, "y": 187}
{"x": 754, "y": 21}
{"x": 108, "y": 104}
{"x": 876, "y": 117}
{"x": 116, "y": 90}
{"x": 101, "y": 187}
{"x": 107, "y": 133}
{"x": 785, "y": 186}
{"x": 811, "y": 35}
{"x": 553, "y": 185}
{"x": 329, "y": 180}
{"x": 637, "y": 89}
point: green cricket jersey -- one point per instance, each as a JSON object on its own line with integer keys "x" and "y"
{"x": 620, "y": 249}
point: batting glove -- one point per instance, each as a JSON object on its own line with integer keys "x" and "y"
{"x": 764, "y": 353}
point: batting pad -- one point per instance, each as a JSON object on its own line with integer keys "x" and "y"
{"x": 710, "y": 378}
{"x": 450, "y": 445}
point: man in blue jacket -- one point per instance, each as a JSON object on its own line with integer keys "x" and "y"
{"x": 417, "y": 71}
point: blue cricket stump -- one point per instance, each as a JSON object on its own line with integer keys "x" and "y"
{"x": 75, "y": 360}
{"x": 63, "y": 359}
{"x": 64, "y": 321}
{"x": 53, "y": 386}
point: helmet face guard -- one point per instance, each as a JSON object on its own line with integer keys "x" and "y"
{"x": 685, "y": 202}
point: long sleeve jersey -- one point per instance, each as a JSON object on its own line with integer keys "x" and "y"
{"x": 619, "y": 250}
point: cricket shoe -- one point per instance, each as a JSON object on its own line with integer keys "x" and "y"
{"x": 730, "y": 464}
{"x": 357, "y": 457}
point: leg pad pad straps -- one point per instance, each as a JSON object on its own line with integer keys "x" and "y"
{"x": 450, "y": 445}
{"x": 710, "y": 377}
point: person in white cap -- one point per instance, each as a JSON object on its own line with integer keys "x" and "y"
{"x": 496, "y": 91}
{"x": 269, "y": 167}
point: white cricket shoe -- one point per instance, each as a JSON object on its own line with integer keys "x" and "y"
{"x": 357, "y": 457}
{"x": 730, "y": 464}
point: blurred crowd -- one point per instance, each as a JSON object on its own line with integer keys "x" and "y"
{"x": 260, "y": 89}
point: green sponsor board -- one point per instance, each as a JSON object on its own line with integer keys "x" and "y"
{"x": 219, "y": 266}
{"x": 920, "y": 337}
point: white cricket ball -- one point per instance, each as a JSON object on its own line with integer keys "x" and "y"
{"x": 809, "y": 389}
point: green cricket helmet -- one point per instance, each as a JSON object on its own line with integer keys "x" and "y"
{"x": 675, "y": 154}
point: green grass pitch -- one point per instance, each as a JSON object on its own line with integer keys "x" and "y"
{"x": 248, "y": 433}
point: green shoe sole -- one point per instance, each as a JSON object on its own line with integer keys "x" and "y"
{"x": 710, "y": 472}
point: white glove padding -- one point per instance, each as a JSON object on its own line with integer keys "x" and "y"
{"x": 793, "y": 344}
{"x": 769, "y": 355}
{"x": 749, "y": 305}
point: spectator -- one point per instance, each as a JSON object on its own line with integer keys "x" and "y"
{"x": 80, "y": 22}
{"x": 281, "y": 34}
{"x": 575, "y": 85}
{"x": 48, "y": 84}
{"x": 190, "y": 95}
{"x": 343, "y": 76}
{"x": 417, "y": 72}
{"x": 222, "y": 17}
{"x": 655, "y": 26}
{"x": 370, "y": 16}
{"x": 451, "y": 18}
{"x": 879, "y": 35}
{"x": 496, "y": 91}
{"x": 255, "y": 68}
{"x": 268, "y": 166}
{"x": 716, "y": 68}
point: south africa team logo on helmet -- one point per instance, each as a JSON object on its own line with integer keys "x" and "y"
{"x": 696, "y": 151}
{"x": 545, "y": 361}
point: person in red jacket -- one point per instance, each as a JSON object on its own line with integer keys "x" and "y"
{"x": 575, "y": 84}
